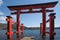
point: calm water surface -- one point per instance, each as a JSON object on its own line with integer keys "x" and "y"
{"x": 34, "y": 33}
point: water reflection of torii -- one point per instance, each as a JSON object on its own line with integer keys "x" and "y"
{"x": 30, "y": 8}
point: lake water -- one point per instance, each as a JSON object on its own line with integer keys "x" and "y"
{"x": 34, "y": 33}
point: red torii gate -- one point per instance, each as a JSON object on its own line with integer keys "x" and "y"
{"x": 43, "y": 7}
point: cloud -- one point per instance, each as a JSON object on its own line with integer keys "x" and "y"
{"x": 1, "y": 2}
{"x": 2, "y": 19}
{"x": 1, "y": 13}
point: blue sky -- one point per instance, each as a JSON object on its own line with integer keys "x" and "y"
{"x": 29, "y": 20}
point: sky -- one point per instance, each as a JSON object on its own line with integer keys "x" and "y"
{"x": 29, "y": 20}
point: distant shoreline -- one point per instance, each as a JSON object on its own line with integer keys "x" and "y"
{"x": 4, "y": 27}
{"x": 29, "y": 29}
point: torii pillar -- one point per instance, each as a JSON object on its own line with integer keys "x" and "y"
{"x": 18, "y": 22}
{"x": 44, "y": 21}
{"x": 22, "y": 28}
{"x": 9, "y": 27}
{"x": 41, "y": 28}
{"x": 52, "y": 17}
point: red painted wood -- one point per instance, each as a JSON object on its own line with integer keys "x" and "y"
{"x": 9, "y": 26}
{"x": 22, "y": 28}
{"x": 18, "y": 23}
{"x": 31, "y": 6}
{"x": 32, "y": 12}
{"x": 41, "y": 28}
{"x": 52, "y": 17}
{"x": 44, "y": 21}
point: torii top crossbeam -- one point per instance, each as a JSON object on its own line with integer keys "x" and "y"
{"x": 46, "y": 5}
{"x": 33, "y": 6}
